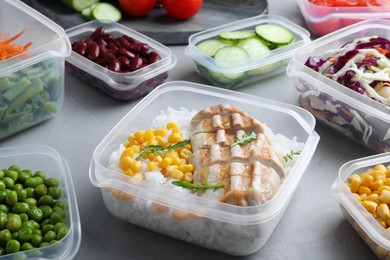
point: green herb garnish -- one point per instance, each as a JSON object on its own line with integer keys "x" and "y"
{"x": 244, "y": 139}
{"x": 197, "y": 187}
{"x": 290, "y": 155}
{"x": 151, "y": 149}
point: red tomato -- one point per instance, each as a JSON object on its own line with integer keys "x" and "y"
{"x": 325, "y": 27}
{"x": 137, "y": 8}
{"x": 182, "y": 9}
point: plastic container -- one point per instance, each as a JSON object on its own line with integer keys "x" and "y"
{"x": 253, "y": 71}
{"x": 31, "y": 83}
{"x": 223, "y": 227}
{"x": 322, "y": 19}
{"x": 122, "y": 86}
{"x": 352, "y": 114}
{"x": 365, "y": 224}
{"x": 48, "y": 160}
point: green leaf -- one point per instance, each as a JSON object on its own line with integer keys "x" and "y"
{"x": 151, "y": 149}
{"x": 245, "y": 139}
{"x": 197, "y": 187}
{"x": 290, "y": 155}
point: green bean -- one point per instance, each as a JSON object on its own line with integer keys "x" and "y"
{"x": 17, "y": 89}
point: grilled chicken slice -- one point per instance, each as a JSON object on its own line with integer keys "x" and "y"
{"x": 251, "y": 173}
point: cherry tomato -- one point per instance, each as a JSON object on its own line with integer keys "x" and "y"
{"x": 137, "y": 8}
{"x": 182, "y": 9}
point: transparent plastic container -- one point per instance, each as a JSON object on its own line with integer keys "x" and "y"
{"x": 48, "y": 160}
{"x": 322, "y": 19}
{"x": 31, "y": 83}
{"x": 212, "y": 224}
{"x": 122, "y": 86}
{"x": 257, "y": 69}
{"x": 352, "y": 114}
{"x": 376, "y": 237}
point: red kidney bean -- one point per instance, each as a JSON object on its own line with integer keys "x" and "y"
{"x": 114, "y": 65}
{"x": 103, "y": 48}
{"x": 126, "y": 53}
{"x": 130, "y": 39}
{"x": 125, "y": 62}
{"x": 145, "y": 60}
{"x": 101, "y": 61}
{"x": 111, "y": 45}
{"x": 153, "y": 57}
{"x": 99, "y": 32}
{"x": 80, "y": 47}
{"x": 93, "y": 51}
{"x": 108, "y": 37}
{"x": 88, "y": 41}
{"x": 136, "y": 63}
{"x": 101, "y": 41}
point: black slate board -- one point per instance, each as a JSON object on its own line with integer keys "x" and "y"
{"x": 157, "y": 24}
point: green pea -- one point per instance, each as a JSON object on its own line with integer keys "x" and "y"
{"x": 15, "y": 235}
{"x": 51, "y": 182}
{"x": 29, "y": 224}
{"x": 3, "y": 220}
{"x": 40, "y": 174}
{"x": 23, "y": 217}
{"x": 37, "y": 231}
{"x": 55, "y": 192}
{"x": 17, "y": 186}
{"x": 2, "y": 250}
{"x": 22, "y": 195}
{"x": 5, "y": 236}
{"x": 11, "y": 198}
{"x": 45, "y": 222}
{"x": 62, "y": 233}
{"x": 60, "y": 225}
{"x": 9, "y": 182}
{"x": 14, "y": 222}
{"x": 26, "y": 246}
{"x": 46, "y": 210}
{"x": 33, "y": 182}
{"x": 46, "y": 200}
{"x": 46, "y": 228}
{"x": 30, "y": 192}
{"x": 12, "y": 174}
{"x": 25, "y": 234}
{"x": 31, "y": 202}
{"x": 49, "y": 236}
{"x": 35, "y": 214}
{"x": 43, "y": 244}
{"x": 2, "y": 185}
{"x": 4, "y": 208}
{"x": 53, "y": 241}
{"x": 3, "y": 194}
{"x": 56, "y": 217}
{"x": 36, "y": 240}
{"x": 61, "y": 211}
{"x": 14, "y": 168}
{"x": 21, "y": 207}
{"x": 12, "y": 246}
{"x": 59, "y": 203}
{"x": 36, "y": 224}
{"x": 40, "y": 190}
{"x": 23, "y": 176}
{"x": 2, "y": 174}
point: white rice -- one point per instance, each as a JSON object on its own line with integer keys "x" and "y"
{"x": 226, "y": 237}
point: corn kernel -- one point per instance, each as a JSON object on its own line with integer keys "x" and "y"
{"x": 176, "y": 161}
{"x": 151, "y": 156}
{"x": 387, "y": 182}
{"x": 129, "y": 172}
{"x": 176, "y": 174}
{"x": 158, "y": 159}
{"x": 384, "y": 187}
{"x": 160, "y": 140}
{"x": 355, "y": 182}
{"x": 152, "y": 166}
{"x": 176, "y": 131}
{"x": 385, "y": 197}
{"x": 188, "y": 177}
{"x": 185, "y": 153}
{"x": 380, "y": 167}
{"x": 161, "y": 208}
{"x": 165, "y": 162}
{"x": 179, "y": 214}
{"x": 363, "y": 196}
{"x": 378, "y": 175}
{"x": 186, "y": 168}
{"x": 148, "y": 135}
{"x": 130, "y": 138}
{"x": 171, "y": 125}
{"x": 367, "y": 180}
{"x": 135, "y": 166}
{"x": 357, "y": 197}
{"x": 125, "y": 162}
{"x": 160, "y": 132}
{"x": 373, "y": 197}
{"x": 139, "y": 176}
{"x": 134, "y": 148}
{"x": 139, "y": 136}
{"x": 381, "y": 222}
{"x": 174, "y": 138}
{"x": 152, "y": 142}
{"x": 128, "y": 152}
{"x": 116, "y": 193}
{"x": 383, "y": 211}
{"x": 364, "y": 189}
{"x": 376, "y": 184}
{"x": 370, "y": 205}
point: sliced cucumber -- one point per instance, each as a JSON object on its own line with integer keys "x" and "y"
{"x": 255, "y": 48}
{"x": 236, "y": 36}
{"x": 274, "y": 34}
{"x": 106, "y": 11}
{"x": 210, "y": 47}
{"x": 80, "y": 5}
{"x": 232, "y": 56}
{"x": 87, "y": 12}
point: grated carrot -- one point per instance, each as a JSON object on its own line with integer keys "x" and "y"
{"x": 381, "y": 50}
{"x": 9, "y": 49}
{"x": 381, "y": 85}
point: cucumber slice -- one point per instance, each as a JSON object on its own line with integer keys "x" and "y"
{"x": 210, "y": 47}
{"x": 106, "y": 11}
{"x": 80, "y": 5}
{"x": 236, "y": 35}
{"x": 232, "y": 56}
{"x": 274, "y": 34}
{"x": 87, "y": 12}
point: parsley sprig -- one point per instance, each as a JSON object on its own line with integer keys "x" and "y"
{"x": 151, "y": 149}
{"x": 197, "y": 187}
{"x": 244, "y": 139}
{"x": 290, "y": 155}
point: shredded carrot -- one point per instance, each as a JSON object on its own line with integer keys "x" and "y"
{"x": 381, "y": 50}
{"x": 381, "y": 85}
{"x": 9, "y": 49}
{"x": 369, "y": 57}
{"x": 333, "y": 59}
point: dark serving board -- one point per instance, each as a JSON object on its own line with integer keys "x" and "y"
{"x": 157, "y": 24}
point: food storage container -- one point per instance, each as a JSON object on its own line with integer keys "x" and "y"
{"x": 261, "y": 64}
{"x": 362, "y": 220}
{"x": 48, "y": 160}
{"x": 126, "y": 86}
{"x": 31, "y": 83}
{"x": 356, "y": 116}
{"x": 323, "y": 19}
{"x": 209, "y": 223}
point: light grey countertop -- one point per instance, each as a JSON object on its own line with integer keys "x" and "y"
{"x": 312, "y": 227}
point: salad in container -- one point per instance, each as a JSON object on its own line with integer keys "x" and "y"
{"x": 217, "y": 173}
{"x": 343, "y": 79}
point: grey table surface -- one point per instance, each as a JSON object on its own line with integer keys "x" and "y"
{"x": 312, "y": 227}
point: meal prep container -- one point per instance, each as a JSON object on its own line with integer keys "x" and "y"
{"x": 271, "y": 65}
{"x": 352, "y": 114}
{"x": 365, "y": 224}
{"x": 48, "y": 160}
{"x": 223, "y": 227}
{"x": 322, "y": 20}
{"x": 37, "y": 75}
{"x": 122, "y": 86}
